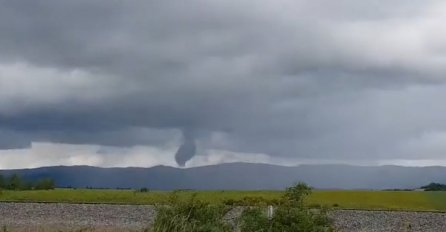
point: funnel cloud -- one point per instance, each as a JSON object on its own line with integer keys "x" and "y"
{"x": 187, "y": 150}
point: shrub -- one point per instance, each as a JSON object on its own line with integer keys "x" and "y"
{"x": 191, "y": 215}
{"x": 230, "y": 202}
{"x": 296, "y": 194}
{"x": 315, "y": 206}
{"x": 254, "y": 220}
{"x": 143, "y": 190}
{"x": 289, "y": 216}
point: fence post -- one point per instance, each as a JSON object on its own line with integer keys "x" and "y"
{"x": 270, "y": 212}
{"x": 270, "y": 215}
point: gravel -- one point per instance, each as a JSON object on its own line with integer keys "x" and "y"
{"x": 371, "y": 221}
{"x": 23, "y": 217}
{"x": 68, "y": 217}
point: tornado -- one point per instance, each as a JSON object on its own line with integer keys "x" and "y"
{"x": 187, "y": 150}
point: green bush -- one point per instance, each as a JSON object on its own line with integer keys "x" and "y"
{"x": 315, "y": 206}
{"x": 191, "y": 215}
{"x": 143, "y": 190}
{"x": 296, "y": 194}
{"x": 290, "y": 216}
{"x": 255, "y": 220}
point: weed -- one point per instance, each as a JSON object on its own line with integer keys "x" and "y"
{"x": 191, "y": 215}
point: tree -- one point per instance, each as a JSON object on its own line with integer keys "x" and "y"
{"x": 15, "y": 182}
{"x": 297, "y": 193}
{"x": 44, "y": 184}
{"x": 2, "y": 182}
{"x": 434, "y": 187}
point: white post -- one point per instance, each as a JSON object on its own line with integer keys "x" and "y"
{"x": 270, "y": 212}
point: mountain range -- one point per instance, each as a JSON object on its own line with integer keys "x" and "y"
{"x": 238, "y": 176}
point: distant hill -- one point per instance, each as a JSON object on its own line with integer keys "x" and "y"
{"x": 243, "y": 176}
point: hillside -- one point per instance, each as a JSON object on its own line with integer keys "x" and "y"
{"x": 241, "y": 176}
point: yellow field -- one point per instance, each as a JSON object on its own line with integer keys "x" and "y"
{"x": 391, "y": 200}
{"x": 388, "y": 200}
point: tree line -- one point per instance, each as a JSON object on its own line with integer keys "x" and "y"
{"x": 16, "y": 182}
{"x": 434, "y": 187}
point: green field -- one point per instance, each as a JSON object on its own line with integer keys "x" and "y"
{"x": 388, "y": 200}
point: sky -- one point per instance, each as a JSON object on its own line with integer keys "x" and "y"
{"x": 188, "y": 83}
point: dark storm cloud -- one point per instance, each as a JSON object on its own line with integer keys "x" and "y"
{"x": 310, "y": 79}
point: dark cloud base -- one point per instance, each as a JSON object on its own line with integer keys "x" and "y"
{"x": 308, "y": 79}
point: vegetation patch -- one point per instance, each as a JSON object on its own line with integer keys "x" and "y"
{"x": 191, "y": 215}
{"x": 434, "y": 187}
{"x": 15, "y": 182}
{"x": 291, "y": 215}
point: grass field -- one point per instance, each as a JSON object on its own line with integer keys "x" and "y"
{"x": 388, "y": 200}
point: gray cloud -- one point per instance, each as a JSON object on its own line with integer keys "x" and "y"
{"x": 306, "y": 79}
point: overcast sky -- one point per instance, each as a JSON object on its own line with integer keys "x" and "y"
{"x": 125, "y": 83}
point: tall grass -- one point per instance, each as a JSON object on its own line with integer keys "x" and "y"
{"x": 190, "y": 215}
{"x": 194, "y": 215}
{"x": 291, "y": 215}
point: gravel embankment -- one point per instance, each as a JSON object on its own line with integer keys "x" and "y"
{"x": 374, "y": 221}
{"x": 69, "y": 217}
{"x": 22, "y": 217}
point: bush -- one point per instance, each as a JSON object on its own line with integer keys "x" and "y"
{"x": 315, "y": 206}
{"x": 289, "y": 216}
{"x": 296, "y": 194}
{"x": 255, "y": 220}
{"x": 230, "y": 202}
{"x": 190, "y": 216}
{"x": 143, "y": 190}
